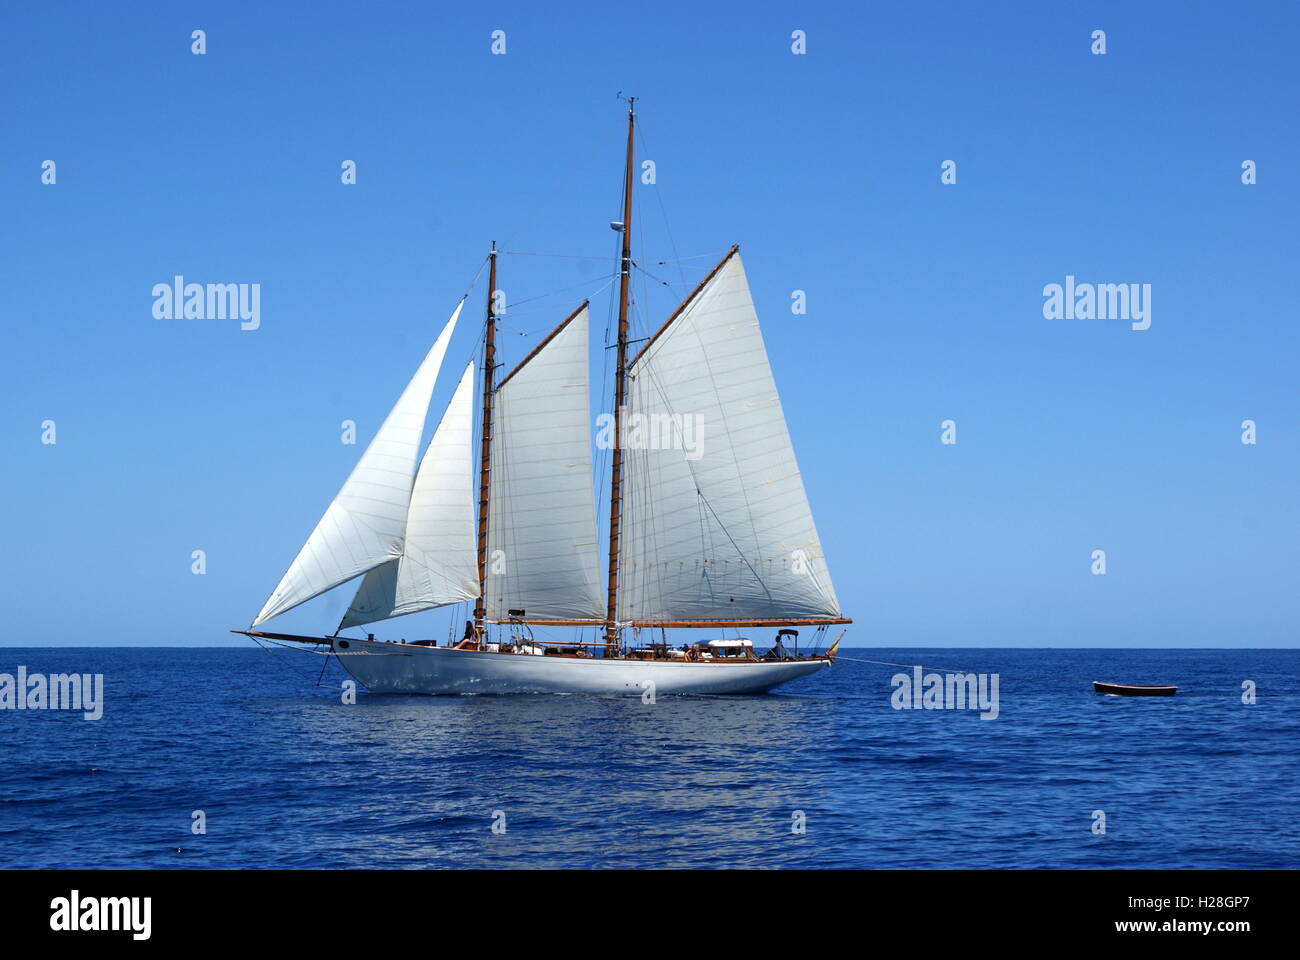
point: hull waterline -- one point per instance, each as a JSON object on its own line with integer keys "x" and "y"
{"x": 401, "y": 668}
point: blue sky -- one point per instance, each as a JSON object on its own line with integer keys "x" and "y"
{"x": 924, "y": 300}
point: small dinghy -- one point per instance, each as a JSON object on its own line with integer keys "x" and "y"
{"x": 1133, "y": 689}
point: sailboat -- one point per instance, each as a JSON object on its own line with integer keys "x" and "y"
{"x": 709, "y": 524}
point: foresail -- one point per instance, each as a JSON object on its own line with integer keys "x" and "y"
{"x": 542, "y": 523}
{"x": 438, "y": 565}
{"x": 365, "y": 524}
{"x": 716, "y": 524}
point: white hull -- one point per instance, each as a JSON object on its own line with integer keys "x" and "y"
{"x": 402, "y": 668}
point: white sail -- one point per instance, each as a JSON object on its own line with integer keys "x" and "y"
{"x": 439, "y": 564}
{"x": 716, "y": 524}
{"x": 542, "y": 520}
{"x": 365, "y": 524}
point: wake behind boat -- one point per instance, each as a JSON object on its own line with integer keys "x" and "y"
{"x": 709, "y": 524}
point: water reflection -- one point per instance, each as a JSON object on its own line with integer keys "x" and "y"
{"x": 601, "y": 781}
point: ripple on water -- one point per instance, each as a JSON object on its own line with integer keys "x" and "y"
{"x": 290, "y": 777}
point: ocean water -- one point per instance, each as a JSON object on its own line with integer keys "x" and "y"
{"x": 287, "y": 775}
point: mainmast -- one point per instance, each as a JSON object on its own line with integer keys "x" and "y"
{"x": 485, "y": 450}
{"x": 620, "y": 392}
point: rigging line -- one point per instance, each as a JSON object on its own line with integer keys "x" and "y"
{"x": 711, "y": 255}
{"x": 695, "y": 478}
{"x": 658, "y": 280}
{"x": 641, "y": 540}
{"x": 478, "y": 273}
{"x": 646, "y": 474}
{"x": 472, "y": 355}
{"x": 650, "y": 472}
{"x": 542, "y": 296}
{"x": 504, "y": 319}
{"x": 708, "y": 366}
{"x": 887, "y": 663}
{"x": 613, "y": 532}
{"x": 600, "y": 475}
{"x": 503, "y": 530}
{"x": 663, "y": 210}
{"x": 708, "y": 549}
{"x": 645, "y": 289}
{"x": 562, "y": 256}
{"x": 726, "y": 426}
{"x": 322, "y": 668}
{"x": 294, "y": 670}
{"x": 744, "y": 559}
{"x": 664, "y": 261}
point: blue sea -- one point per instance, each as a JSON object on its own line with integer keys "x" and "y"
{"x": 824, "y": 773}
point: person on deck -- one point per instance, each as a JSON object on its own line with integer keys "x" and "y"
{"x": 778, "y": 652}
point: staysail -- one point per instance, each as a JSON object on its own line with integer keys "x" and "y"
{"x": 541, "y": 554}
{"x": 438, "y": 565}
{"x": 716, "y": 525}
{"x": 364, "y": 525}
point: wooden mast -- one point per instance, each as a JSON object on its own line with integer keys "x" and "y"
{"x": 485, "y": 449}
{"x": 620, "y": 391}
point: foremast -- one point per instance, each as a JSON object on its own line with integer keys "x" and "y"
{"x": 612, "y": 643}
{"x": 485, "y": 447}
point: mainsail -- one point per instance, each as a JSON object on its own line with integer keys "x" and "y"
{"x": 437, "y": 566}
{"x": 541, "y": 554}
{"x": 365, "y": 524}
{"x": 716, "y": 525}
